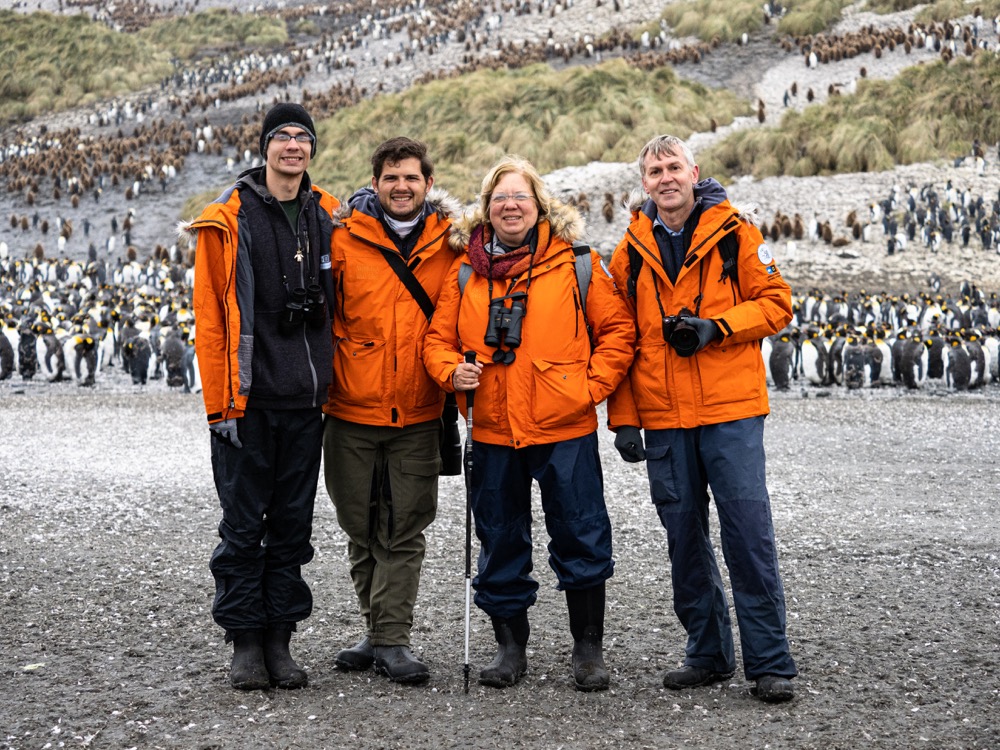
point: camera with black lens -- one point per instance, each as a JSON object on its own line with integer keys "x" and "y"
{"x": 506, "y": 322}
{"x": 679, "y": 334}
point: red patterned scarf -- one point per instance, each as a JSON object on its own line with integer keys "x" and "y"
{"x": 510, "y": 264}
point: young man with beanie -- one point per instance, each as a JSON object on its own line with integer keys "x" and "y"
{"x": 381, "y": 443}
{"x": 262, "y": 300}
{"x": 704, "y": 289}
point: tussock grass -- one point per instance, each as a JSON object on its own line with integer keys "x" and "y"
{"x": 938, "y": 10}
{"x": 728, "y": 20}
{"x": 50, "y": 62}
{"x": 217, "y": 30}
{"x": 930, "y": 111}
{"x": 555, "y": 119}
{"x": 725, "y": 20}
{"x": 944, "y": 10}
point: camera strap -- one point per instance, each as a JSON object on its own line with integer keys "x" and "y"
{"x": 419, "y": 294}
{"x": 405, "y": 274}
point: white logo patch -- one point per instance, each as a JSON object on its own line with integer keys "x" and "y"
{"x": 764, "y": 254}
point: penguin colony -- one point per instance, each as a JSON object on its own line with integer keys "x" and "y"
{"x": 72, "y": 320}
{"x": 75, "y": 322}
{"x": 867, "y": 340}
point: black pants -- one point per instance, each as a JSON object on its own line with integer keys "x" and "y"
{"x": 267, "y": 490}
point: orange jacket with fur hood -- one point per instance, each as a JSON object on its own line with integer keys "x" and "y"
{"x": 550, "y": 391}
{"x": 378, "y": 327}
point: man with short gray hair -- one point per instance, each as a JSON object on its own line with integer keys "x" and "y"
{"x": 704, "y": 289}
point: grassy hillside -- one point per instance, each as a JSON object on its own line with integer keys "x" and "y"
{"x": 216, "y": 31}
{"x": 928, "y": 112}
{"x": 728, "y": 20}
{"x": 555, "y": 119}
{"x": 49, "y": 62}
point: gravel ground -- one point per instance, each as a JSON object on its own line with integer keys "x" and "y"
{"x": 885, "y": 510}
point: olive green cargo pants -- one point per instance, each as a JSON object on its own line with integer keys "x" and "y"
{"x": 384, "y": 483}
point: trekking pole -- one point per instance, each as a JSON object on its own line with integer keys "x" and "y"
{"x": 470, "y": 395}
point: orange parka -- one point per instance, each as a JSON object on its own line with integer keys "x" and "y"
{"x": 223, "y": 282}
{"x": 726, "y": 380}
{"x": 550, "y": 391}
{"x": 378, "y": 327}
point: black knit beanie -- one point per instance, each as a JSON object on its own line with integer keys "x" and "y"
{"x": 284, "y": 115}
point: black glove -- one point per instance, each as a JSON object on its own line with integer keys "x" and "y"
{"x": 226, "y": 432}
{"x": 707, "y": 330}
{"x": 628, "y": 441}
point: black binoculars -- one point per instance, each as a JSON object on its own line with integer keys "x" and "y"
{"x": 506, "y": 322}
{"x": 304, "y": 305}
{"x": 681, "y": 336}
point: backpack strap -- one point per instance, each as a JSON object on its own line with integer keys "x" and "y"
{"x": 634, "y": 266}
{"x": 584, "y": 273}
{"x": 464, "y": 272}
{"x": 729, "y": 248}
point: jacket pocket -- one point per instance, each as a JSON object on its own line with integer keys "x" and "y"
{"x": 358, "y": 368}
{"x": 649, "y": 380}
{"x": 560, "y": 394}
{"x": 730, "y": 374}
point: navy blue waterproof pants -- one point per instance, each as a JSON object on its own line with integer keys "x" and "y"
{"x": 729, "y": 457}
{"x": 572, "y": 489}
{"x": 267, "y": 490}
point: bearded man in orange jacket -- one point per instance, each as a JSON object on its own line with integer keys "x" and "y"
{"x": 381, "y": 442}
{"x": 704, "y": 289}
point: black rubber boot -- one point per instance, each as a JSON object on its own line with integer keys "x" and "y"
{"x": 284, "y": 672}
{"x": 511, "y": 662}
{"x": 248, "y": 671}
{"x": 586, "y": 623}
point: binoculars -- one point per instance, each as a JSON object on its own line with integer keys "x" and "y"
{"x": 304, "y": 305}
{"x": 506, "y": 322}
{"x": 681, "y": 336}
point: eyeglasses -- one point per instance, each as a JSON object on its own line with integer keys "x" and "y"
{"x": 299, "y": 137}
{"x": 500, "y": 198}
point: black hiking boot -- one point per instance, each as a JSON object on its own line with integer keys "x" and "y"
{"x": 692, "y": 677}
{"x": 357, "y": 658}
{"x": 772, "y": 688}
{"x": 400, "y": 665}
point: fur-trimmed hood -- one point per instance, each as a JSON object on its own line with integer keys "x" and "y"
{"x": 438, "y": 201}
{"x": 565, "y": 221}
{"x": 709, "y": 191}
